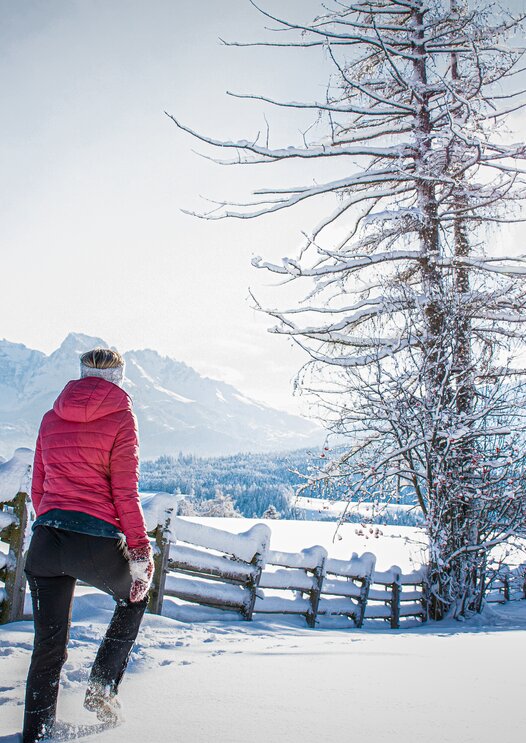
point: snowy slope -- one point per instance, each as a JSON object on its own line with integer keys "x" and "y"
{"x": 178, "y": 410}
{"x": 278, "y": 682}
{"x": 275, "y": 681}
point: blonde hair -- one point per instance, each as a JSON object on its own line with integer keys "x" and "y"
{"x": 102, "y": 358}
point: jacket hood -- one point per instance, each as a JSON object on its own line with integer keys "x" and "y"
{"x": 84, "y": 400}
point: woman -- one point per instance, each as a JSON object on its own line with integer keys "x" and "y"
{"x": 84, "y": 494}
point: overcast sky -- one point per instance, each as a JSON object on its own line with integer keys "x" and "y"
{"x": 95, "y": 176}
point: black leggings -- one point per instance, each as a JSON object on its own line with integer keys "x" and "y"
{"x": 55, "y": 560}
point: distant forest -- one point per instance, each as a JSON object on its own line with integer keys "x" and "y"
{"x": 254, "y": 482}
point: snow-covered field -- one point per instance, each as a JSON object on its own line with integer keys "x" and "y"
{"x": 275, "y": 681}
{"x": 323, "y": 508}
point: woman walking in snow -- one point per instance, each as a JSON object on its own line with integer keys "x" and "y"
{"x": 84, "y": 493}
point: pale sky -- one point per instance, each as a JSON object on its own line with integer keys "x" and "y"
{"x": 94, "y": 176}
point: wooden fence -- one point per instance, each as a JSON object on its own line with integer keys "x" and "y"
{"x": 505, "y": 583}
{"x": 239, "y": 572}
{"x": 211, "y": 567}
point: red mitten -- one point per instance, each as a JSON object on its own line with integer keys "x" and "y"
{"x": 141, "y": 570}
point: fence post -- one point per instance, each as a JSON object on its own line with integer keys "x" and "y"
{"x": 160, "y": 559}
{"x": 395, "y": 599}
{"x": 12, "y": 608}
{"x": 364, "y": 596}
{"x": 259, "y": 561}
{"x": 318, "y": 576}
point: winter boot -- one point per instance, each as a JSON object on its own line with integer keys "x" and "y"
{"x": 102, "y": 700}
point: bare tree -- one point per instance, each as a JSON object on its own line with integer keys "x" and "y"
{"x": 412, "y": 321}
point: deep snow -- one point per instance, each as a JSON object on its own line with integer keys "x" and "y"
{"x": 278, "y": 682}
{"x": 275, "y": 681}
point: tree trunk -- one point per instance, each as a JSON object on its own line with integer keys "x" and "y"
{"x": 434, "y": 330}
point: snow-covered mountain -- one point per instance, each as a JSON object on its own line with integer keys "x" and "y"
{"x": 177, "y": 409}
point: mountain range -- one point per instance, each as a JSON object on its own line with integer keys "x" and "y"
{"x": 178, "y": 410}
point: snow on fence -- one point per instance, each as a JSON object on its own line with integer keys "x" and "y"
{"x": 209, "y": 566}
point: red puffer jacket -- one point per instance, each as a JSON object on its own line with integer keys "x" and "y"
{"x": 87, "y": 457}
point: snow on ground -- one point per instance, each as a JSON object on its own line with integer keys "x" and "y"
{"x": 278, "y": 682}
{"x": 275, "y": 681}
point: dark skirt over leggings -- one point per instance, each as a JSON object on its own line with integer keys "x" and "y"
{"x": 55, "y": 560}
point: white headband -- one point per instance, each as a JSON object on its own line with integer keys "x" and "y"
{"x": 114, "y": 375}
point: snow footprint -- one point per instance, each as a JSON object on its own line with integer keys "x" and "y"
{"x": 75, "y": 676}
{"x": 6, "y": 648}
{"x": 7, "y": 697}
